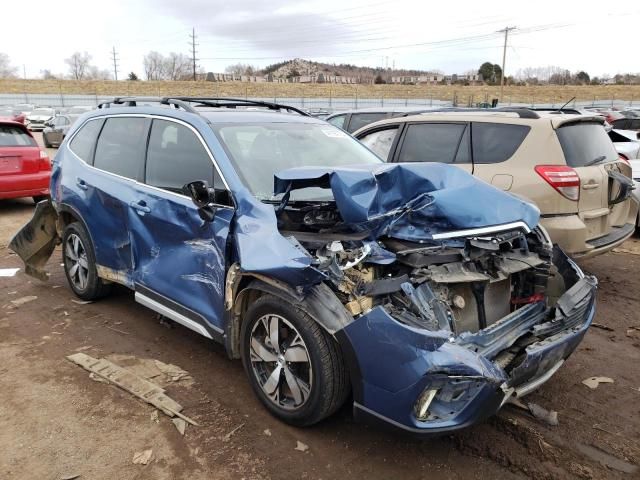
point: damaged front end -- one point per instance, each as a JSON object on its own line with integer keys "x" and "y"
{"x": 449, "y": 323}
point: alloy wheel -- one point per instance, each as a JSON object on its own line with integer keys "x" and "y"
{"x": 280, "y": 362}
{"x": 76, "y": 261}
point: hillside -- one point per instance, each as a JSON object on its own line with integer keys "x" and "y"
{"x": 299, "y": 66}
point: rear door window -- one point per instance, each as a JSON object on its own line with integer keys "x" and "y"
{"x": 359, "y": 120}
{"x": 337, "y": 121}
{"x": 85, "y": 139}
{"x": 584, "y": 143}
{"x": 121, "y": 146}
{"x": 12, "y": 136}
{"x": 380, "y": 141}
{"x": 435, "y": 142}
{"x": 176, "y": 157}
{"x": 496, "y": 142}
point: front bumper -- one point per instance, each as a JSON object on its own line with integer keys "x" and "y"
{"x": 393, "y": 364}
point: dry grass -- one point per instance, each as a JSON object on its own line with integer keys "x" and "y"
{"x": 529, "y": 94}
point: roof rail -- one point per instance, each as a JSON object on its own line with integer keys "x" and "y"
{"x": 228, "y": 102}
{"x": 522, "y": 112}
{"x": 133, "y": 102}
{"x": 186, "y": 103}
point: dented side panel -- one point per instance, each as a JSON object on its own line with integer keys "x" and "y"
{"x": 180, "y": 256}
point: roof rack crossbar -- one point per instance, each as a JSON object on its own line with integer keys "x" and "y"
{"x": 133, "y": 101}
{"x": 522, "y": 112}
{"x": 229, "y": 102}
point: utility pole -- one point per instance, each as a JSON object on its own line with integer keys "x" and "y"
{"x": 114, "y": 56}
{"x": 506, "y": 31}
{"x": 193, "y": 51}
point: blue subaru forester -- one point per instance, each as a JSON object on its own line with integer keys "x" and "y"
{"x": 424, "y": 295}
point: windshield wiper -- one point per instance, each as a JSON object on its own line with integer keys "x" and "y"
{"x": 596, "y": 160}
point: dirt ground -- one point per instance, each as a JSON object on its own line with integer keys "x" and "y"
{"x": 56, "y": 422}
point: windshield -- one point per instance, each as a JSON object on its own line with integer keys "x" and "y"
{"x": 583, "y": 143}
{"x": 42, "y": 111}
{"x": 258, "y": 151}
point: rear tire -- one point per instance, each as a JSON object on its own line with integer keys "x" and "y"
{"x": 311, "y": 381}
{"x": 79, "y": 261}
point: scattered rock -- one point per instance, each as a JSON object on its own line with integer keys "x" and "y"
{"x": 142, "y": 458}
{"x": 70, "y": 477}
{"x": 180, "y": 424}
{"x": 593, "y": 382}
{"x": 301, "y": 447}
{"x": 267, "y": 432}
{"x": 154, "y": 415}
{"x": 22, "y": 300}
{"x": 81, "y": 302}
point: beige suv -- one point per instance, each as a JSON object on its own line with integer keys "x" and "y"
{"x": 565, "y": 164}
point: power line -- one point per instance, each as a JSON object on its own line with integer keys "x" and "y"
{"x": 114, "y": 56}
{"x": 506, "y": 31}
{"x": 193, "y": 51}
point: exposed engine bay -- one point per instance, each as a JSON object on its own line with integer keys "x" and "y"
{"x": 459, "y": 284}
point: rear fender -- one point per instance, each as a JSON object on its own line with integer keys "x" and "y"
{"x": 34, "y": 243}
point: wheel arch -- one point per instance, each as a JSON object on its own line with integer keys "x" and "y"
{"x": 319, "y": 302}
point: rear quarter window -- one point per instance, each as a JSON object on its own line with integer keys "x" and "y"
{"x": 337, "y": 121}
{"x": 496, "y": 142}
{"x": 14, "y": 136}
{"x": 583, "y": 143}
{"x": 121, "y": 147}
{"x": 85, "y": 139}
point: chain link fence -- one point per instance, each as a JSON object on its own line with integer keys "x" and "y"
{"x": 328, "y": 103}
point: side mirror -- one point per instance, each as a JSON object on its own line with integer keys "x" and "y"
{"x": 200, "y": 192}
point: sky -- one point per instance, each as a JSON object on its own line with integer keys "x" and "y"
{"x": 454, "y": 37}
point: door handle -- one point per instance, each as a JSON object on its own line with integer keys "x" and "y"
{"x": 81, "y": 184}
{"x": 590, "y": 186}
{"x": 140, "y": 206}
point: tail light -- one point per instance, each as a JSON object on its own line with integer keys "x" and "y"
{"x": 45, "y": 163}
{"x": 563, "y": 179}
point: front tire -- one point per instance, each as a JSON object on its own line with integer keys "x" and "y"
{"x": 295, "y": 368}
{"x": 79, "y": 261}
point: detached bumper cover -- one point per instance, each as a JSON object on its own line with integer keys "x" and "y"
{"x": 393, "y": 363}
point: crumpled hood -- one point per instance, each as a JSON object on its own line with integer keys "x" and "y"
{"x": 410, "y": 201}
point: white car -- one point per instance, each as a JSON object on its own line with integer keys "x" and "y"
{"x": 38, "y": 117}
{"x": 627, "y": 144}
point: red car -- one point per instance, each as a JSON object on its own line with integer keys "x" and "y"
{"x": 25, "y": 169}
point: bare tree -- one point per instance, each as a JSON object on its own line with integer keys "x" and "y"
{"x": 78, "y": 65}
{"x": 153, "y": 63}
{"x": 241, "y": 69}
{"x": 6, "y": 70}
{"x": 95, "y": 73}
{"x": 176, "y": 66}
